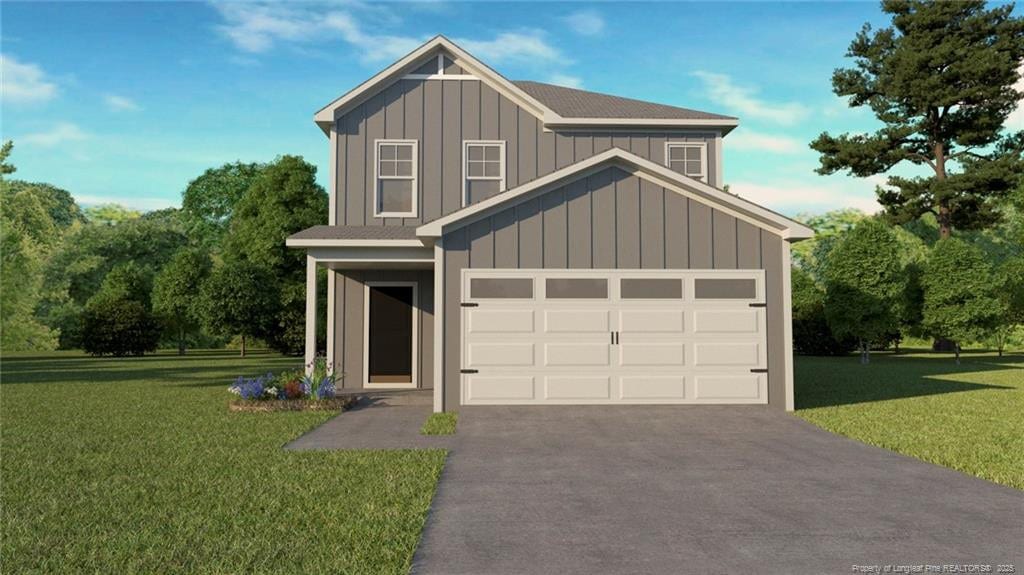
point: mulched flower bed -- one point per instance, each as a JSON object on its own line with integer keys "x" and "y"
{"x": 269, "y": 405}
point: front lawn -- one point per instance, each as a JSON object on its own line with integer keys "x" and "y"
{"x": 136, "y": 465}
{"x": 440, "y": 424}
{"x": 968, "y": 417}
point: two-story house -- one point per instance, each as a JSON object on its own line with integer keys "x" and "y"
{"x": 522, "y": 243}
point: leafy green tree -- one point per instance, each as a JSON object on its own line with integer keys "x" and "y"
{"x": 811, "y": 332}
{"x": 85, "y": 256}
{"x": 1010, "y": 282}
{"x": 865, "y": 285}
{"x": 961, "y": 302}
{"x": 209, "y": 200}
{"x": 57, "y": 202}
{"x": 239, "y": 298}
{"x": 284, "y": 199}
{"x": 809, "y": 254}
{"x": 5, "y": 152}
{"x": 117, "y": 320}
{"x": 176, "y": 291}
{"x": 941, "y": 80}
{"x": 111, "y": 214}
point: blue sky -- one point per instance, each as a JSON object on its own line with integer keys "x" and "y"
{"x": 126, "y": 102}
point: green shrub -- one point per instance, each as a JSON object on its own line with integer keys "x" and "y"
{"x": 119, "y": 326}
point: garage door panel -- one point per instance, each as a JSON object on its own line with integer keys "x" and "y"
{"x": 577, "y": 387}
{"x": 651, "y": 321}
{"x": 576, "y": 354}
{"x": 576, "y": 321}
{"x": 750, "y": 387}
{"x": 727, "y": 321}
{"x": 497, "y": 388}
{"x": 720, "y": 354}
{"x": 652, "y": 354}
{"x": 500, "y": 355}
{"x": 500, "y": 321}
{"x": 653, "y": 387}
{"x": 625, "y": 347}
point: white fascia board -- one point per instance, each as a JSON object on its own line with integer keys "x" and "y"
{"x": 746, "y": 210}
{"x": 725, "y": 125}
{"x": 306, "y": 243}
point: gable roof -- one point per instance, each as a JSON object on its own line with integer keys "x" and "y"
{"x": 745, "y": 210}
{"x": 555, "y": 106}
{"x": 576, "y": 103}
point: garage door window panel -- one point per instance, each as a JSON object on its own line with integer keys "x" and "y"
{"x": 651, "y": 288}
{"x": 501, "y": 288}
{"x": 725, "y": 288}
{"x": 576, "y": 288}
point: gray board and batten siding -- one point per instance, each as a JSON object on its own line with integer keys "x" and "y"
{"x": 441, "y": 115}
{"x": 612, "y": 220}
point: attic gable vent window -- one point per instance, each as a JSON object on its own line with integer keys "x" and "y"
{"x": 689, "y": 159}
{"x": 395, "y": 194}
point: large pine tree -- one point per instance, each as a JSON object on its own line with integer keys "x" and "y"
{"x": 941, "y": 80}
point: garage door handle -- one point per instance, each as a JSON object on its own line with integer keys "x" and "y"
{"x": 469, "y": 304}
{"x": 469, "y": 371}
{"x": 758, "y": 305}
{"x": 759, "y": 370}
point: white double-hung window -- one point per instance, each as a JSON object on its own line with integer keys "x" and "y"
{"x": 483, "y": 169}
{"x": 395, "y": 194}
{"x": 688, "y": 158}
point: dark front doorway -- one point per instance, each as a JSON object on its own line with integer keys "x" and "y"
{"x": 390, "y": 335}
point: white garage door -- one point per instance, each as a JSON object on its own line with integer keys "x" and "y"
{"x": 611, "y": 336}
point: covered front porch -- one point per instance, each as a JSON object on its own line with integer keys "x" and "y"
{"x": 381, "y": 298}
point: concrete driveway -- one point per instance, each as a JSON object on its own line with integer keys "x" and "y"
{"x": 561, "y": 490}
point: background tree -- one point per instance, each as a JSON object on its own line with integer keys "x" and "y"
{"x": 239, "y": 298}
{"x": 209, "y": 200}
{"x": 5, "y": 152}
{"x": 176, "y": 291}
{"x": 941, "y": 80}
{"x": 118, "y": 320}
{"x": 811, "y": 332}
{"x": 110, "y": 214}
{"x": 284, "y": 199}
{"x": 1010, "y": 290}
{"x": 76, "y": 269}
{"x": 865, "y": 285}
{"x": 960, "y": 294}
{"x": 809, "y": 254}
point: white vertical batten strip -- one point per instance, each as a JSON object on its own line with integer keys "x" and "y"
{"x": 438, "y": 327}
{"x": 719, "y": 173}
{"x": 310, "y": 313}
{"x": 332, "y": 219}
{"x": 787, "y": 323}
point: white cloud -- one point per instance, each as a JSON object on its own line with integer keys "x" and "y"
{"x": 585, "y": 22}
{"x": 795, "y": 197}
{"x": 24, "y": 83}
{"x": 528, "y": 45}
{"x": 256, "y": 28}
{"x": 745, "y": 139}
{"x": 59, "y": 134}
{"x": 1016, "y": 119}
{"x": 121, "y": 103}
{"x": 567, "y": 80}
{"x": 743, "y": 100}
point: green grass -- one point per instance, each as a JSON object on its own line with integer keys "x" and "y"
{"x": 440, "y": 424}
{"x": 136, "y": 466}
{"x": 968, "y": 417}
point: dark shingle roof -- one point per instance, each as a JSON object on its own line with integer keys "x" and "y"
{"x": 356, "y": 233}
{"x": 573, "y": 103}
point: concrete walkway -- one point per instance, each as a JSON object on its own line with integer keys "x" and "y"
{"x": 381, "y": 420}
{"x": 701, "y": 489}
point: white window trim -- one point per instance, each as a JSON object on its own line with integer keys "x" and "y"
{"x": 377, "y": 178}
{"x": 465, "y": 167}
{"x": 703, "y": 158}
{"x": 415, "y": 335}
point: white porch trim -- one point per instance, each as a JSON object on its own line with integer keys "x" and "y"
{"x": 310, "y": 313}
